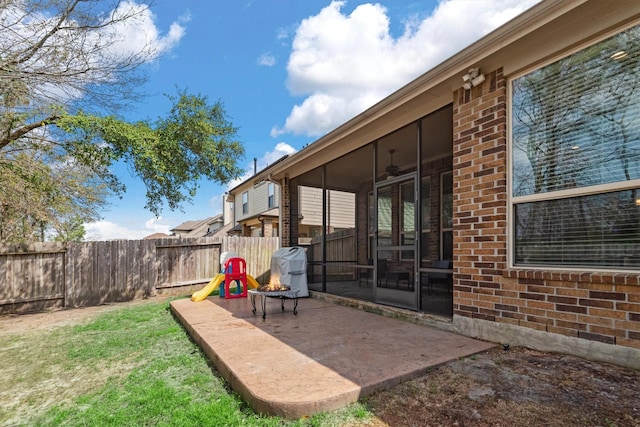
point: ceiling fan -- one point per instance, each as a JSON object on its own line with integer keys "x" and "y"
{"x": 391, "y": 169}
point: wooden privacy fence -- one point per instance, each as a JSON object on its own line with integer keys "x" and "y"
{"x": 37, "y": 276}
{"x": 341, "y": 256}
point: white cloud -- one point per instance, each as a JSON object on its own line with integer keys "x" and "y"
{"x": 140, "y": 34}
{"x": 267, "y": 59}
{"x": 343, "y": 64}
{"x": 216, "y": 202}
{"x": 282, "y": 34}
{"x": 106, "y": 230}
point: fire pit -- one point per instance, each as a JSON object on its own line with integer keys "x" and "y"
{"x": 274, "y": 287}
{"x": 273, "y": 291}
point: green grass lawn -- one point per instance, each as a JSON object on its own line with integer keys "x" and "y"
{"x": 133, "y": 366}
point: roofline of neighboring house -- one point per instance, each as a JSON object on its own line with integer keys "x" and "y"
{"x": 271, "y": 213}
{"x": 198, "y": 223}
{"x": 452, "y": 68}
{"x": 261, "y": 174}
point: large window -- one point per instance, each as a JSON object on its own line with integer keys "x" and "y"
{"x": 575, "y": 157}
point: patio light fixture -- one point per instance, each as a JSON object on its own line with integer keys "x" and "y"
{"x": 472, "y": 79}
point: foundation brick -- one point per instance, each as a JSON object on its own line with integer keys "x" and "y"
{"x": 509, "y": 321}
{"x": 627, "y": 325}
{"x": 511, "y": 315}
{"x": 538, "y": 319}
{"x": 596, "y": 337}
{"x": 602, "y": 321}
{"x": 533, "y": 311}
{"x": 562, "y": 331}
{"x": 532, "y": 325}
{"x": 628, "y": 342}
{"x": 571, "y": 325}
{"x": 600, "y": 330}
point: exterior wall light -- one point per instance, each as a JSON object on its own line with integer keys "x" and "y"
{"x": 472, "y": 79}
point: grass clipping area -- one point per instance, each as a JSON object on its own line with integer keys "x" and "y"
{"x": 131, "y": 366}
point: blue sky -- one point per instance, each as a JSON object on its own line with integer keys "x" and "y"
{"x": 287, "y": 72}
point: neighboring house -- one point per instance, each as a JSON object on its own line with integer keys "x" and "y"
{"x": 201, "y": 228}
{"x": 158, "y": 236}
{"x": 255, "y": 208}
{"x": 500, "y": 190}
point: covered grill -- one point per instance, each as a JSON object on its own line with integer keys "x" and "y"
{"x": 289, "y": 267}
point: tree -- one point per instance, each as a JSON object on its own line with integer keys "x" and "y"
{"x": 67, "y": 74}
{"x": 194, "y": 141}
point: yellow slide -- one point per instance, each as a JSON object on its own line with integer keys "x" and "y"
{"x": 214, "y": 284}
{"x": 251, "y": 282}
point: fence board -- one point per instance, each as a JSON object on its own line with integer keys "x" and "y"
{"x": 31, "y": 275}
{"x": 341, "y": 248}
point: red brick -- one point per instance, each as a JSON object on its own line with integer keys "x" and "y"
{"x": 606, "y": 331}
{"x": 617, "y": 296}
{"x": 571, "y": 325}
{"x": 592, "y": 320}
{"x": 596, "y": 337}
{"x": 562, "y": 331}
{"x": 562, "y": 300}
{"x": 625, "y": 306}
{"x": 612, "y": 314}
{"x": 532, "y": 325}
{"x": 628, "y": 342}
{"x": 596, "y": 303}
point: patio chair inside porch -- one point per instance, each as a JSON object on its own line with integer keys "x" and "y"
{"x": 440, "y": 278}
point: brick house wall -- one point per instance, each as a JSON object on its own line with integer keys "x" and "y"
{"x": 285, "y": 213}
{"x": 600, "y": 307}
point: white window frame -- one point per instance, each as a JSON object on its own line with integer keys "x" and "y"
{"x": 271, "y": 195}
{"x": 245, "y": 202}
{"x": 512, "y": 201}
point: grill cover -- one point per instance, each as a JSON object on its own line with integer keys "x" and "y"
{"x": 289, "y": 267}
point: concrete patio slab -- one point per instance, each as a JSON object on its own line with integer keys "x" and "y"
{"x": 324, "y": 358}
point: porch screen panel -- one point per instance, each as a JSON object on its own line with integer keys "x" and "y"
{"x": 384, "y": 218}
{"x": 575, "y": 175}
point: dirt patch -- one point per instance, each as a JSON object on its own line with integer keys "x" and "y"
{"x": 518, "y": 387}
{"x": 54, "y": 318}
